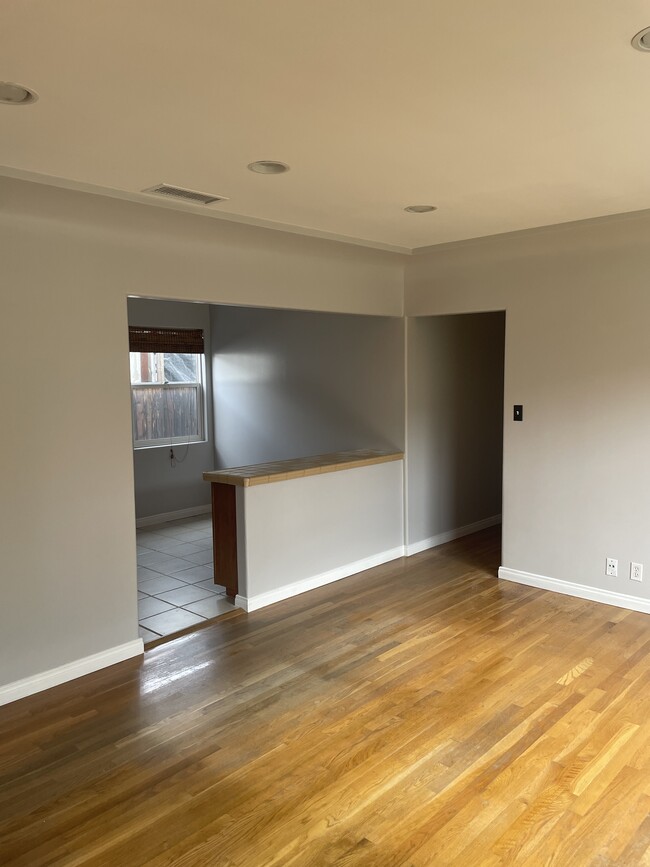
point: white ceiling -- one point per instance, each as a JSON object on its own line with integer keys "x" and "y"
{"x": 506, "y": 114}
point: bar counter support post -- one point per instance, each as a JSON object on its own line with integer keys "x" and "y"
{"x": 224, "y": 536}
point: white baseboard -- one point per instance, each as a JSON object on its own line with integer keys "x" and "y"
{"x": 163, "y": 517}
{"x": 582, "y": 591}
{"x": 253, "y": 603}
{"x": 450, "y": 535}
{"x": 55, "y": 676}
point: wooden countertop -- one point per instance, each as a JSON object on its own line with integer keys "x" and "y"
{"x": 280, "y": 471}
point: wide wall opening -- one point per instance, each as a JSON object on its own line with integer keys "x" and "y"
{"x": 216, "y": 387}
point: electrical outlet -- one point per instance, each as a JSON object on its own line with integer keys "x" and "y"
{"x": 611, "y": 568}
{"x": 636, "y": 571}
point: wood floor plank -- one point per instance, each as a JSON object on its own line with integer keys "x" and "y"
{"x": 421, "y": 713}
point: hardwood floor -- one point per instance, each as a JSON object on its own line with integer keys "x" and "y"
{"x": 421, "y": 713}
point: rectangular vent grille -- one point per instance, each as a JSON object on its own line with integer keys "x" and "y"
{"x": 186, "y": 195}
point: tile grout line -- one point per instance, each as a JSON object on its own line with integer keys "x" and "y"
{"x": 173, "y": 540}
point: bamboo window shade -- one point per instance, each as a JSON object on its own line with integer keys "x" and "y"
{"x": 165, "y": 340}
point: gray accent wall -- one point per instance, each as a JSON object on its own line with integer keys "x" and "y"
{"x": 69, "y": 260}
{"x": 290, "y": 383}
{"x": 161, "y": 487}
{"x": 576, "y": 471}
{"x": 455, "y": 421}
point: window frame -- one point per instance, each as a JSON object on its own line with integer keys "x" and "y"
{"x": 200, "y": 387}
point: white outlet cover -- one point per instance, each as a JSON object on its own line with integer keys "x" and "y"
{"x": 611, "y": 567}
{"x": 636, "y": 571}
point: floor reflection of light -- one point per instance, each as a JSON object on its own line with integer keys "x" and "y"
{"x": 157, "y": 682}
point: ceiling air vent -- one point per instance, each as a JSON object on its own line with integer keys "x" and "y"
{"x": 186, "y": 195}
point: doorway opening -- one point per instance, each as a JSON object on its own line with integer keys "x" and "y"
{"x": 455, "y": 427}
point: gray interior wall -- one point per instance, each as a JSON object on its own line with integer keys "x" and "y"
{"x": 159, "y": 486}
{"x": 69, "y": 260}
{"x": 291, "y": 383}
{"x": 577, "y": 469}
{"x": 455, "y": 421}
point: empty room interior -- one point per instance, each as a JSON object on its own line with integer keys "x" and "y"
{"x": 324, "y": 516}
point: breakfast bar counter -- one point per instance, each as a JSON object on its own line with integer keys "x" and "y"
{"x": 277, "y": 524}
{"x": 295, "y": 468}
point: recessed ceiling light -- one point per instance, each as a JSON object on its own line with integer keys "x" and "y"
{"x": 16, "y": 94}
{"x": 268, "y": 167}
{"x": 420, "y": 209}
{"x": 642, "y": 40}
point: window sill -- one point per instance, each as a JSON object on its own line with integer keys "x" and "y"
{"x": 168, "y": 445}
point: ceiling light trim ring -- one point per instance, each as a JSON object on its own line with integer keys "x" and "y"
{"x": 10, "y": 94}
{"x": 420, "y": 209}
{"x": 268, "y": 167}
{"x": 641, "y": 41}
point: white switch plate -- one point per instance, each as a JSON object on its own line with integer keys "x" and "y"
{"x": 611, "y": 568}
{"x": 636, "y": 571}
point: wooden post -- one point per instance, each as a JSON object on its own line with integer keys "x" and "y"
{"x": 224, "y": 536}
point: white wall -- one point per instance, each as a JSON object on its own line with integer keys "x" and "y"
{"x": 305, "y": 532}
{"x": 69, "y": 260}
{"x": 577, "y": 469}
{"x": 291, "y": 383}
{"x": 161, "y": 486}
{"x": 454, "y": 422}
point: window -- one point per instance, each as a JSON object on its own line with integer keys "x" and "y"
{"x": 167, "y": 393}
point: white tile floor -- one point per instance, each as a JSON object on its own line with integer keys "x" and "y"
{"x": 175, "y": 579}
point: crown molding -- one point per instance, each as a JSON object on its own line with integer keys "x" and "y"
{"x": 199, "y": 210}
{"x": 521, "y": 234}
